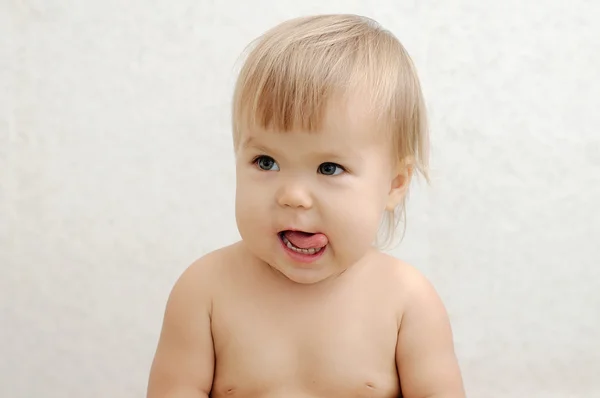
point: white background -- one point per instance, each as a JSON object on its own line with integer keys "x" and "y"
{"x": 116, "y": 172}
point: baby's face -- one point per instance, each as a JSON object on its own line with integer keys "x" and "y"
{"x": 310, "y": 204}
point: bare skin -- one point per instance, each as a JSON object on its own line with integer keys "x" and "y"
{"x": 234, "y": 327}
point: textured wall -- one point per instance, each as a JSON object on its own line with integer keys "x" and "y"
{"x": 116, "y": 172}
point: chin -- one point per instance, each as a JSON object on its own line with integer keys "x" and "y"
{"x": 275, "y": 256}
{"x": 304, "y": 276}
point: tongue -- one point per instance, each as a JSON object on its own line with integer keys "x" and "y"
{"x": 305, "y": 240}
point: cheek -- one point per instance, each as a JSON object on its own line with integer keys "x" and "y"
{"x": 253, "y": 202}
{"x": 357, "y": 217}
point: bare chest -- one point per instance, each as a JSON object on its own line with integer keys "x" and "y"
{"x": 333, "y": 347}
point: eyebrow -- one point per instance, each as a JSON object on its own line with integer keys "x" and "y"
{"x": 334, "y": 156}
{"x": 247, "y": 142}
{"x": 250, "y": 142}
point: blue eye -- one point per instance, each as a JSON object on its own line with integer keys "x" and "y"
{"x": 266, "y": 163}
{"x": 330, "y": 169}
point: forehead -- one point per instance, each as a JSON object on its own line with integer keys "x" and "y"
{"x": 348, "y": 123}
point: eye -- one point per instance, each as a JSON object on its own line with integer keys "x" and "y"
{"x": 266, "y": 163}
{"x": 330, "y": 169}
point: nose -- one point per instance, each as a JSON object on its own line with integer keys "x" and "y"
{"x": 294, "y": 194}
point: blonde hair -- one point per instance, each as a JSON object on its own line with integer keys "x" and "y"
{"x": 295, "y": 69}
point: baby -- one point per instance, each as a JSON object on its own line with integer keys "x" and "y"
{"x": 329, "y": 127}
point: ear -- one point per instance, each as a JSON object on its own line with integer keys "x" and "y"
{"x": 399, "y": 186}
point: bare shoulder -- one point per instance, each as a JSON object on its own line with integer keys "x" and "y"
{"x": 426, "y": 360}
{"x": 184, "y": 359}
{"x": 194, "y": 291}
{"x": 200, "y": 276}
{"x": 417, "y": 294}
{"x": 406, "y": 282}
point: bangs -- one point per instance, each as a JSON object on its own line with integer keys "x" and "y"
{"x": 289, "y": 90}
{"x": 297, "y": 68}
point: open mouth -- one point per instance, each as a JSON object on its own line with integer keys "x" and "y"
{"x": 291, "y": 246}
{"x": 303, "y": 243}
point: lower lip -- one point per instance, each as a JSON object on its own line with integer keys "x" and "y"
{"x": 301, "y": 257}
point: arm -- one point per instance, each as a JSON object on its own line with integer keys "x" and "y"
{"x": 427, "y": 364}
{"x": 183, "y": 365}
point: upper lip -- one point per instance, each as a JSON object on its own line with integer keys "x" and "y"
{"x": 297, "y": 230}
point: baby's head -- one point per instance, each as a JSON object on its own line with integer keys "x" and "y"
{"x": 329, "y": 127}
